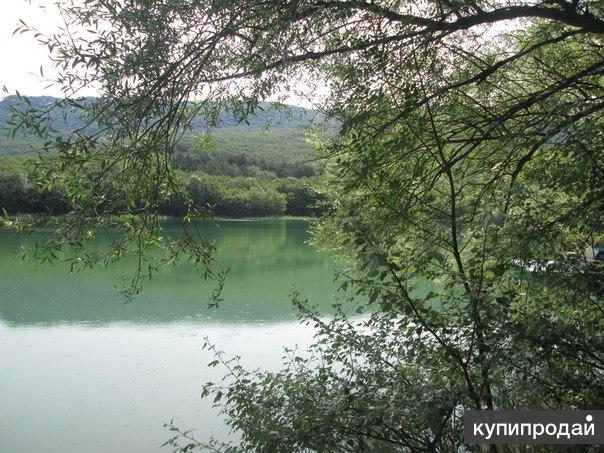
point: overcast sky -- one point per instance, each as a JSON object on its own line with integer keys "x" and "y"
{"x": 21, "y": 56}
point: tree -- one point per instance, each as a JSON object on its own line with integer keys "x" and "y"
{"x": 467, "y": 180}
{"x": 204, "y": 192}
{"x": 15, "y": 191}
{"x": 302, "y": 199}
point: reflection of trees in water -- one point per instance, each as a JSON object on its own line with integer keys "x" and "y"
{"x": 264, "y": 245}
{"x": 266, "y": 258}
{"x": 260, "y": 243}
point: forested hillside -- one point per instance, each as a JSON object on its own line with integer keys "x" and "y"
{"x": 262, "y": 167}
{"x": 290, "y": 116}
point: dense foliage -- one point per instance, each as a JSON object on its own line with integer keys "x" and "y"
{"x": 466, "y": 186}
{"x": 22, "y": 190}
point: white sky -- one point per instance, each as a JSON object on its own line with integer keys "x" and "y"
{"x": 21, "y": 56}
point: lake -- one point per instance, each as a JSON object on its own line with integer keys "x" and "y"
{"x": 81, "y": 371}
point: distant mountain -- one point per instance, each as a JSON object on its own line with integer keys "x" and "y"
{"x": 282, "y": 144}
{"x": 297, "y": 117}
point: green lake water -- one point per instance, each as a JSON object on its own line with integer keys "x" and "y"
{"x": 81, "y": 371}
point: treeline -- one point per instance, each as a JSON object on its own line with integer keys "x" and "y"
{"x": 19, "y": 194}
{"x": 219, "y": 195}
{"x": 247, "y": 197}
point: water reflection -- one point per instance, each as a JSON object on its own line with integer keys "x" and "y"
{"x": 266, "y": 258}
{"x": 83, "y": 372}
